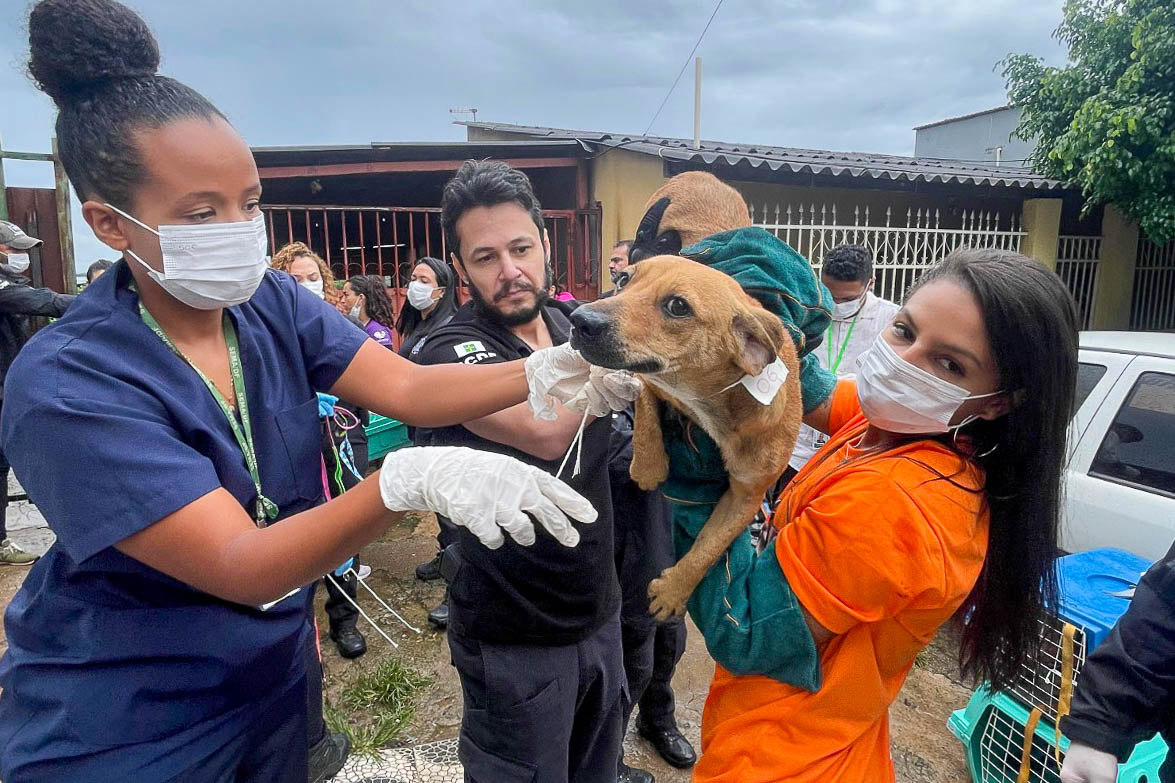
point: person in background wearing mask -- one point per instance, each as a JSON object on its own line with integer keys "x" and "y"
{"x": 365, "y": 298}
{"x": 858, "y": 317}
{"x": 95, "y": 270}
{"x": 644, "y": 547}
{"x": 312, "y": 273}
{"x": 307, "y": 267}
{"x": 18, "y": 301}
{"x": 432, "y": 301}
{"x": 167, "y": 427}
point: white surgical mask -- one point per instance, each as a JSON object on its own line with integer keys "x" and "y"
{"x": 18, "y": 262}
{"x": 314, "y": 287}
{"x": 209, "y": 265}
{"x": 898, "y": 397}
{"x": 843, "y": 311}
{"x": 420, "y": 294}
{"x": 355, "y": 311}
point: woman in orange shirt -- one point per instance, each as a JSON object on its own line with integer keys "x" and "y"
{"x": 937, "y": 496}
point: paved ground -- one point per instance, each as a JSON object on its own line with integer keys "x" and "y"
{"x": 924, "y": 751}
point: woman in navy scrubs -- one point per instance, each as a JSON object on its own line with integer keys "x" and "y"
{"x": 168, "y": 420}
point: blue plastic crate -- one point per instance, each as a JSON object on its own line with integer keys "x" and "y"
{"x": 991, "y": 728}
{"x": 1092, "y": 589}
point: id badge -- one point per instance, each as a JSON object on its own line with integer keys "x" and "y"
{"x": 818, "y": 440}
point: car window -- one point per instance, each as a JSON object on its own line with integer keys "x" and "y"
{"x": 1139, "y": 448}
{"x": 1088, "y": 374}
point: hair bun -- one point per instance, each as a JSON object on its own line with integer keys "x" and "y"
{"x": 76, "y": 45}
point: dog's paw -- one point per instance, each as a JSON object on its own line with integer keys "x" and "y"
{"x": 667, "y": 599}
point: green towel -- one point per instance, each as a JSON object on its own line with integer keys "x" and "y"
{"x": 782, "y": 281}
{"x": 744, "y": 607}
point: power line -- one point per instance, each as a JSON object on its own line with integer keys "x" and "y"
{"x": 683, "y": 67}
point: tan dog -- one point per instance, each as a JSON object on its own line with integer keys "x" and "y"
{"x": 692, "y": 333}
{"x": 687, "y": 209}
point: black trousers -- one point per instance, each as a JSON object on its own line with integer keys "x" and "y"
{"x": 340, "y": 611}
{"x": 541, "y": 713}
{"x": 656, "y": 702}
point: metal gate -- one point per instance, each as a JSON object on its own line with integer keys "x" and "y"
{"x": 902, "y": 248}
{"x": 1153, "y": 308}
{"x": 388, "y": 241}
{"x": 1077, "y": 266}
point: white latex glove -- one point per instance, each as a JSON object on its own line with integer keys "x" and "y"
{"x": 483, "y": 492}
{"x": 1084, "y": 764}
{"x": 560, "y": 375}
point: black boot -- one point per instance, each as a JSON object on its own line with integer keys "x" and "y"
{"x": 439, "y": 617}
{"x": 669, "y": 742}
{"x": 328, "y": 756}
{"x": 430, "y": 571}
{"x": 350, "y": 642}
{"x": 628, "y": 774}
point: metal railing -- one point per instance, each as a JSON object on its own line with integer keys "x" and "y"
{"x": 1153, "y": 306}
{"x": 1078, "y": 264}
{"x": 388, "y": 241}
{"x": 903, "y": 247}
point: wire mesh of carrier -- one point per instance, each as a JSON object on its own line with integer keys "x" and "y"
{"x": 1041, "y": 681}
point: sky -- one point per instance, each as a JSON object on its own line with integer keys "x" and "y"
{"x": 825, "y": 74}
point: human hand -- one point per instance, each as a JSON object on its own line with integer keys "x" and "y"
{"x": 1084, "y": 764}
{"x": 483, "y": 492}
{"x": 560, "y": 375}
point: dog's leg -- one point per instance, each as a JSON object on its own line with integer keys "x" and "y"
{"x": 650, "y": 463}
{"x": 736, "y": 508}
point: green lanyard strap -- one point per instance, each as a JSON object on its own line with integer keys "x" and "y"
{"x": 845, "y": 344}
{"x": 266, "y": 509}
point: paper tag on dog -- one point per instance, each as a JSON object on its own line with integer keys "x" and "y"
{"x": 764, "y": 386}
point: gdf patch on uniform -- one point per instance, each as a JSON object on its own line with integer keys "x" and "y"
{"x": 464, "y": 349}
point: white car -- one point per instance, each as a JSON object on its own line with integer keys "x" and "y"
{"x": 1120, "y": 480}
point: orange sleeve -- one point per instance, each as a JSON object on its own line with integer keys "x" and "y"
{"x": 845, "y": 406}
{"x": 860, "y": 552}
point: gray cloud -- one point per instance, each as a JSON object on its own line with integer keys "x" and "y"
{"x": 838, "y": 74}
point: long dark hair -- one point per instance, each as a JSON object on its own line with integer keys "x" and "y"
{"x": 410, "y": 318}
{"x": 1031, "y": 323}
{"x": 375, "y": 294}
{"x": 97, "y": 60}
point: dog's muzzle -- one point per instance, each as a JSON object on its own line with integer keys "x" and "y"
{"x": 594, "y": 335}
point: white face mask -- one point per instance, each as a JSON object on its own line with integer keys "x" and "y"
{"x": 420, "y": 294}
{"x": 898, "y": 397}
{"x": 843, "y": 311}
{"x": 210, "y": 265}
{"x": 314, "y": 287}
{"x": 18, "y": 262}
{"x": 355, "y": 311}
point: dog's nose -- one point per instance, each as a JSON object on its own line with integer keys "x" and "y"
{"x": 589, "y": 323}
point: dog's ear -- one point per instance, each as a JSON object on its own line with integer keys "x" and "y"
{"x": 759, "y": 335}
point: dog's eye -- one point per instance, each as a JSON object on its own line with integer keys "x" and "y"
{"x": 676, "y": 307}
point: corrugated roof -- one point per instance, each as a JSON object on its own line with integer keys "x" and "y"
{"x": 415, "y": 150}
{"x": 797, "y": 160}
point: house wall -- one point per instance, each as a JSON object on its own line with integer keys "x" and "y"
{"x": 971, "y": 138}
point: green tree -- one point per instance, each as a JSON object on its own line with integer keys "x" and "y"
{"x": 1106, "y": 121}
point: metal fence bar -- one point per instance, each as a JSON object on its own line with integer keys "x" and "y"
{"x": 901, "y": 252}
{"x": 1078, "y": 266}
{"x": 1153, "y": 304}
